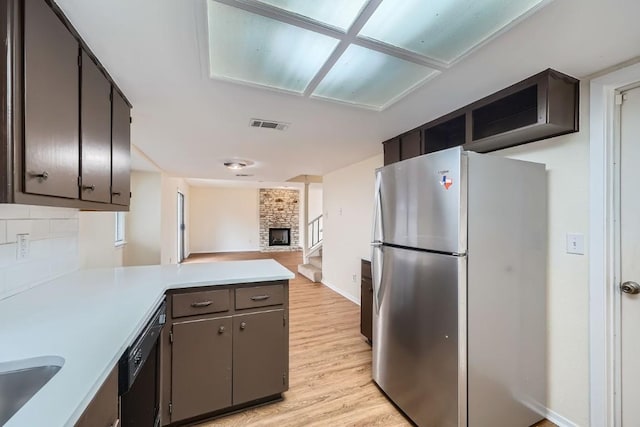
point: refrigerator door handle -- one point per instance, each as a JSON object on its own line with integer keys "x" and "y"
{"x": 376, "y": 245}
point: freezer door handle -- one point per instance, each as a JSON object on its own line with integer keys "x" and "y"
{"x": 376, "y": 245}
{"x": 376, "y": 273}
{"x": 378, "y": 228}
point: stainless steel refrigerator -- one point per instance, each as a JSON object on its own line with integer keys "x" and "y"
{"x": 459, "y": 272}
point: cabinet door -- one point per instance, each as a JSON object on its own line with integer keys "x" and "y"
{"x": 391, "y": 151}
{"x": 201, "y": 367}
{"x": 95, "y": 113}
{"x": 103, "y": 409}
{"x": 259, "y": 355}
{"x": 411, "y": 145}
{"x": 120, "y": 150}
{"x": 51, "y": 109}
{"x": 366, "y": 307}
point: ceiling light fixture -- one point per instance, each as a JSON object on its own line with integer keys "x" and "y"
{"x": 235, "y": 165}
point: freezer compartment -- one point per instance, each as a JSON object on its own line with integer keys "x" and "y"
{"x": 417, "y": 357}
{"x": 421, "y": 202}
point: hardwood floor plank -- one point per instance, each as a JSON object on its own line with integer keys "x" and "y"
{"x": 330, "y": 362}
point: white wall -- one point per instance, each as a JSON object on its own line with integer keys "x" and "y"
{"x": 348, "y": 215}
{"x": 97, "y": 240}
{"x": 169, "y": 218}
{"x": 567, "y": 160}
{"x": 315, "y": 200}
{"x": 53, "y": 241}
{"x": 224, "y": 219}
{"x": 143, "y": 222}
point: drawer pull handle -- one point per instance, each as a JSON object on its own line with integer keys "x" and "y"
{"x": 201, "y": 304}
{"x": 243, "y": 325}
{"x": 221, "y": 330}
{"x": 41, "y": 176}
{"x": 89, "y": 187}
{"x": 260, "y": 297}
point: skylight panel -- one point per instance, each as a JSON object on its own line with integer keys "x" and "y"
{"x": 258, "y": 50}
{"x": 442, "y": 29}
{"x": 370, "y": 79}
{"x": 337, "y": 13}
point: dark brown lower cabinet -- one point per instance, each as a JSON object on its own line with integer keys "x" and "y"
{"x": 224, "y": 348}
{"x": 259, "y": 356}
{"x": 201, "y": 367}
{"x": 366, "y": 301}
{"x": 103, "y": 408}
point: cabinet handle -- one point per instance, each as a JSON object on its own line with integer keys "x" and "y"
{"x": 89, "y": 187}
{"x": 260, "y": 297}
{"x": 41, "y": 176}
{"x": 221, "y": 329}
{"x": 243, "y": 325}
{"x": 201, "y": 304}
{"x": 116, "y": 193}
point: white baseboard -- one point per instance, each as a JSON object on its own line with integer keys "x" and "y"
{"x": 559, "y": 420}
{"x": 341, "y": 292}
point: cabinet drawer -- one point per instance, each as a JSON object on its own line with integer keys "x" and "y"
{"x": 260, "y": 296}
{"x": 195, "y": 303}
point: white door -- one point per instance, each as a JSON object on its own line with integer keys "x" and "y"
{"x": 630, "y": 257}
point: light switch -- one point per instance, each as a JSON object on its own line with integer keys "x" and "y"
{"x": 575, "y": 243}
{"x": 22, "y": 249}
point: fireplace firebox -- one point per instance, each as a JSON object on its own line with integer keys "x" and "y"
{"x": 279, "y": 236}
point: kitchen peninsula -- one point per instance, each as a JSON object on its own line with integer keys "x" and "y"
{"x": 87, "y": 319}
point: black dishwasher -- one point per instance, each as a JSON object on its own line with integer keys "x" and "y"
{"x": 139, "y": 376}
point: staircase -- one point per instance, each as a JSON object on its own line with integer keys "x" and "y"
{"x": 312, "y": 270}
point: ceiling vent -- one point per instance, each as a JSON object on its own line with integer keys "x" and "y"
{"x": 268, "y": 124}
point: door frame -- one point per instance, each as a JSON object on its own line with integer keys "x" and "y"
{"x": 604, "y": 313}
{"x": 181, "y": 240}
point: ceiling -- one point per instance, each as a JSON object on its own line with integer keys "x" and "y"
{"x": 188, "y": 124}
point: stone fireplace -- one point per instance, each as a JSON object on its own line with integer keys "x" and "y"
{"x": 279, "y": 220}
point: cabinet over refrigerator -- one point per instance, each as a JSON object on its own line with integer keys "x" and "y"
{"x": 459, "y": 278}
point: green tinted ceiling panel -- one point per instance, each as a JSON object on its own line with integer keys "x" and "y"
{"x": 337, "y": 13}
{"x": 371, "y": 79}
{"x": 254, "y": 49}
{"x": 442, "y": 29}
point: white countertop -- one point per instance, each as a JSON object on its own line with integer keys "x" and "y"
{"x": 90, "y": 317}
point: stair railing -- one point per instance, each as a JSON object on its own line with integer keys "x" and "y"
{"x": 315, "y": 231}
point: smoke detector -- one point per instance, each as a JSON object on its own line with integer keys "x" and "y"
{"x": 268, "y": 124}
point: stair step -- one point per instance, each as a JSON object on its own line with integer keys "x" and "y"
{"x": 311, "y": 272}
{"x": 316, "y": 261}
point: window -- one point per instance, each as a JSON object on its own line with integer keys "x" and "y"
{"x": 120, "y": 237}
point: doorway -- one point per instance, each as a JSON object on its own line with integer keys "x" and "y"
{"x": 627, "y": 303}
{"x": 181, "y": 229}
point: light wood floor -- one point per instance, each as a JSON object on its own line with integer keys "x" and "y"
{"x": 330, "y": 363}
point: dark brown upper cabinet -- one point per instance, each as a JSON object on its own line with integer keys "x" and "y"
{"x": 120, "y": 150}
{"x": 444, "y": 134}
{"x": 410, "y": 144}
{"x": 392, "y": 151}
{"x": 539, "y": 107}
{"x": 56, "y": 115}
{"x": 542, "y": 106}
{"x": 51, "y": 104}
{"x": 95, "y": 133}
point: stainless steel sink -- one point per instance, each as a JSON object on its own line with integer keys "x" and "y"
{"x": 20, "y": 380}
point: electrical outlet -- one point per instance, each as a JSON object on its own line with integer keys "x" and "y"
{"x": 354, "y": 278}
{"x": 22, "y": 249}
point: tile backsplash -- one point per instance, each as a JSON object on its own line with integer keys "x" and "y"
{"x": 52, "y": 240}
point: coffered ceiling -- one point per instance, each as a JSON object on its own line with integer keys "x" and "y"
{"x": 189, "y": 120}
